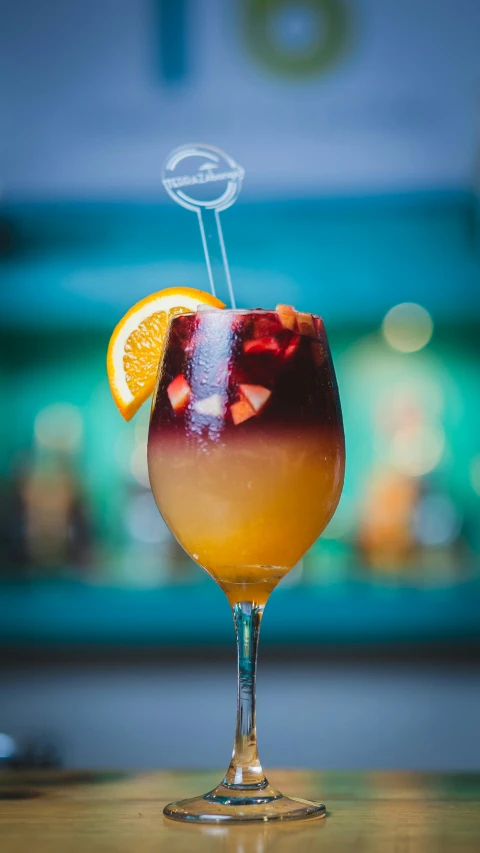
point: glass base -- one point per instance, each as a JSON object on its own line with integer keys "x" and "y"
{"x": 237, "y": 804}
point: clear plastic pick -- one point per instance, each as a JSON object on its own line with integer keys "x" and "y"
{"x": 205, "y": 179}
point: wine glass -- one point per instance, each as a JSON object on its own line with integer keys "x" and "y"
{"x": 246, "y": 459}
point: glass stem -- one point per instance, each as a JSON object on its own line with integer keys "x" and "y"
{"x": 245, "y": 769}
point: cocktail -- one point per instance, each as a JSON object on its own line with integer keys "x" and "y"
{"x": 246, "y": 459}
{"x": 245, "y": 449}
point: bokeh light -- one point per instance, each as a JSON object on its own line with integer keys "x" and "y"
{"x": 142, "y": 420}
{"x": 437, "y": 521}
{"x": 123, "y": 448}
{"x": 407, "y": 327}
{"x": 417, "y": 448}
{"x": 138, "y": 465}
{"x": 144, "y": 521}
{"x": 7, "y": 745}
{"x": 59, "y": 426}
{"x": 475, "y": 473}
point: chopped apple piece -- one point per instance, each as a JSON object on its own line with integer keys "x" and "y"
{"x": 259, "y": 346}
{"x": 287, "y": 316}
{"x": 292, "y": 347}
{"x": 318, "y": 353}
{"x": 306, "y": 325}
{"x": 241, "y": 411}
{"x": 179, "y": 393}
{"x": 255, "y": 395}
{"x": 211, "y": 406}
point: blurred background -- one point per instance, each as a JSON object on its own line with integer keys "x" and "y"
{"x": 358, "y": 125}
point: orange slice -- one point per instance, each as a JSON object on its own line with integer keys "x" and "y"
{"x": 137, "y": 342}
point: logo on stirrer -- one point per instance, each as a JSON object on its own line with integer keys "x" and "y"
{"x": 204, "y": 179}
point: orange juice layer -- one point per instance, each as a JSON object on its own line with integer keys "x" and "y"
{"x": 247, "y": 507}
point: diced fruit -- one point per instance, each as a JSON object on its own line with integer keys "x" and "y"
{"x": 292, "y": 347}
{"x": 287, "y": 316}
{"x": 241, "y": 411}
{"x": 179, "y": 393}
{"x": 318, "y": 353}
{"x": 305, "y": 325}
{"x": 256, "y": 396}
{"x": 260, "y": 346}
{"x": 211, "y": 406}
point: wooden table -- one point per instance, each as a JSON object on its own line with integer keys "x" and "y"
{"x": 45, "y": 812}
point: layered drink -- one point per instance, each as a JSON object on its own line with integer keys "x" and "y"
{"x": 246, "y": 451}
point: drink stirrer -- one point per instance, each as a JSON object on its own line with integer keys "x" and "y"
{"x": 204, "y": 179}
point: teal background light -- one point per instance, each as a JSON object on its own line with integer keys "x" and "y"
{"x": 72, "y": 269}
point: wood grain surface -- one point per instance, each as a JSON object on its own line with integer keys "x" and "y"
{"x": 374, "y": 812}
